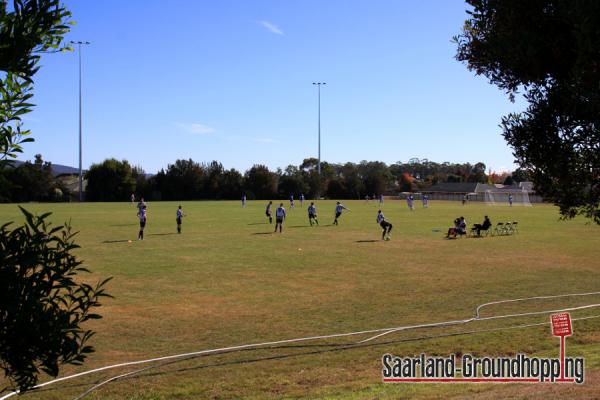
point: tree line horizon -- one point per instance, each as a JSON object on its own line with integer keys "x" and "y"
{"x": 116, "y": 180}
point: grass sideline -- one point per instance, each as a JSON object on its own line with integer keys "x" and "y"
{"x": 227, "y": 280}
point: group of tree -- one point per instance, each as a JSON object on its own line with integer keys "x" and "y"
{"x": 114, "y": 180}
{"x": 31, "y": 181}
{"x": 44, "y": 302}
{"x": 547, "y": 50}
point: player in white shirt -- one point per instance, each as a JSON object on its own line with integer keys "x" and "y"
{"x": 279, "y": 217}
{"x": 244, "y": 201}
{"x": 180, "y": 215}
{"x": 301, "y": 200}
{"x": 291, "y": 201}
{"x": 338, "y": 212}
{"x": 380, "y": 200}
{"x": 312, "y": 214}
{"x": 268, "y": 212}
{"x": 386, "y": 226}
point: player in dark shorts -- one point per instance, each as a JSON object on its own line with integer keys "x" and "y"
{"x": 142, "y": 216}
{"x": 338, "y": 212}
{"x": 312, "y": 214}
{"x": 179, "y": 217}
{"x": 386, "y": 226}
{"x": 268, "y": 211}
{"x": 279, "y": 217}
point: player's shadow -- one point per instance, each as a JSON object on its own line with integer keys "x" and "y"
{"x": 367, "y": 241}
{"x": 116, "y": 241}
{"x": 262, "y": 233}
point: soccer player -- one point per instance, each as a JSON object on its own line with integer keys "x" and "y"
{"x": 179, "y": 217}
{"x": 268, "y": 212}
{"x": 279, "y": 217}
{"x": 380, "y": 200}
{"x": 141, "y": 204}
{"x": 142, "y": 215}
{"x": 132, "y": 198}
{"x": 425, "y": 201}
{"x": 510, "y": 199}
{"x": 244, "y": 200}
{"x": 301, "y": 200}
{"x": 386, "y": 226}
{"x": 410, "y": 202}
{"x": 338, "y": 212}
{"x": 312, "y": 214}
{"x": 291, "y": 201}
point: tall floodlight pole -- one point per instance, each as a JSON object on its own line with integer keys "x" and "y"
{"x": 318, "y": 84}
{"x": 79, "y": 43}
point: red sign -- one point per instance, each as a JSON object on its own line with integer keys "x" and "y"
{"x": 561, "y": 324}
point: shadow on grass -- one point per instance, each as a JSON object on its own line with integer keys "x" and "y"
{"x": 262, "y": 233}
{"x": 367, "y": 241}
{"x": 306, "y": 349}
{"x": 116, "y": 241}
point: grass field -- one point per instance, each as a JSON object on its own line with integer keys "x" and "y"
{"x": 227, "y": 280}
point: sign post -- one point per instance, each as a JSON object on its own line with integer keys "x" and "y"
{"x": 561, "y": 326}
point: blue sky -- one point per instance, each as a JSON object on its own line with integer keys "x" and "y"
{"x": 232, "y": 81}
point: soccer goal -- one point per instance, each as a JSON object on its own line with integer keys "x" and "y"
{"x": 519, "y": 198}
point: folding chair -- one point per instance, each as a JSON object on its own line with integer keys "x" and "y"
{"x": 499, "y": 229}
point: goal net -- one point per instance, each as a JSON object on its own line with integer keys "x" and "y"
{"x": 519, "y": 198}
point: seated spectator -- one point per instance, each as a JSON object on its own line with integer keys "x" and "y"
{"x": 483, "y": 226}
{"x": 462, "y": 226}
{"x": 454, "y": 230}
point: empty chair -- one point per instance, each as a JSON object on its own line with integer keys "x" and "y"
{"x": 499, "y": 229}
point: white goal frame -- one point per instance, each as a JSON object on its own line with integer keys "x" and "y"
{"x": 520, "y": 198}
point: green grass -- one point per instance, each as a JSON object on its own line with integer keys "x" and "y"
{"x": 227, "y": 280}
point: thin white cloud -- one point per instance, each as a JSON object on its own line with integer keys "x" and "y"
{"x": 195, "y": 128}
{"x": 265, "y": 140}
{"x": 271, "y": 27}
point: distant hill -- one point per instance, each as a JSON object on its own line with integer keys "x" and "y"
{"x": 57, "y": 169}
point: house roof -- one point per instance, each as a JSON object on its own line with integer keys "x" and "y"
{"x": 453, "y": 187}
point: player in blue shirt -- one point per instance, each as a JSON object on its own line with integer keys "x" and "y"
{"x": 279, "y": 217}
{"x": 386, "y": 226}
{"x": 142, "y": 216}
{"x": 338, "y": 212}
{"x": 312, "y": 214}
{"x": 179, "y": 217}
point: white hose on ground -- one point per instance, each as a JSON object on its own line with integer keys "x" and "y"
{"x": 345, "y": 346}
{"x": 381, "y": 332}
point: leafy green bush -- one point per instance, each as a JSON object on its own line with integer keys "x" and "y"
{"x": 42, "y": 306}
